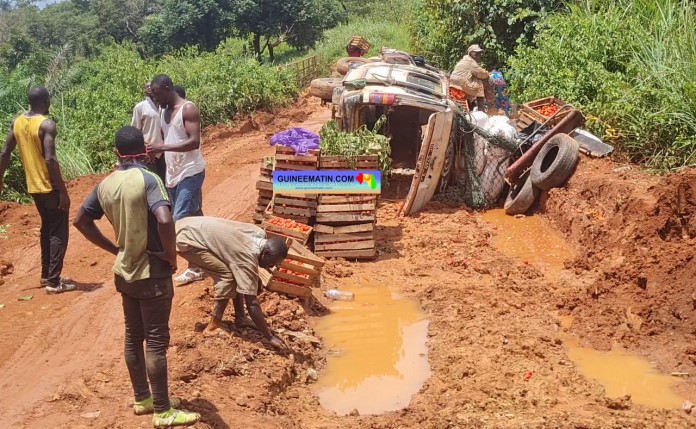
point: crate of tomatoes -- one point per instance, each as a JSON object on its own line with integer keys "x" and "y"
{"x": 277, "y": 226}
{"x": 545, "y": 109}
{"x": 298, "y": 273}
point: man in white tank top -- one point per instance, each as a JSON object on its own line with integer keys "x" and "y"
{"x": 181, "y": 131}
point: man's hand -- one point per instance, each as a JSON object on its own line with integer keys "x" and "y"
{"x": 63, "y": 200}
{"x": 155, "y": 148}
{"x": 278, "y": 343}
{"x": 171, "y": 259}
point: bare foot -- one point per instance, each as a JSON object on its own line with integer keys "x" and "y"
{"x": 215, "y": 324}
{"x": 245, "y": 322}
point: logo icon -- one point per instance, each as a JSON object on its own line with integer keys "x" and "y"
{"x": 367, "y": 179}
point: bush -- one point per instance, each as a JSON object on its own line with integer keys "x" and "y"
{"x": 636, "y": 91}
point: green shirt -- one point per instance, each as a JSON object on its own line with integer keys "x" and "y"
{"x": 129, "y": 197}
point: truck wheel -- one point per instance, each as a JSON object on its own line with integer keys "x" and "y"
{"x": 323, "y": 88}
{"x": 521, "y": 197}
{"x": 555, "y": 162}
{"x": 344, "y": 64}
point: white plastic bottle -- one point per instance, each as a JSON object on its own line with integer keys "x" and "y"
{"x": 338, "y": 295}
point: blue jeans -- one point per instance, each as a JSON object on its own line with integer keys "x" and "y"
{"x": 187, "y": 197}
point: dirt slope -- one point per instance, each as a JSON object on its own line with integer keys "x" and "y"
{"x": 491, "y": 318}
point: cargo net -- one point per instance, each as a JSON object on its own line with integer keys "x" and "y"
{"x": 482, "y": 158}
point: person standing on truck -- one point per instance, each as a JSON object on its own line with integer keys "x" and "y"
{"x": 474, "y": 79}
{"x": 35, "y": 136}
{"x": 181, "y": 129}
{"x": 231, "y": 253}
{"x": 137, "y": 205}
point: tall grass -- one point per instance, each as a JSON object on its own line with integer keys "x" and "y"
{"x": 630, "y": 66}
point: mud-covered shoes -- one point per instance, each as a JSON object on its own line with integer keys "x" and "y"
{"x": 146, "y": 406}
{"x": 173, "y": 417}
{"x": 62, "y": 286}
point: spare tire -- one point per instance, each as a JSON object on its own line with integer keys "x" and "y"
{"x": 555, "y": 162}
{"x": 343, "y": 65}
{"x": 521, "y": 197}
{"x": 323, "y": 88}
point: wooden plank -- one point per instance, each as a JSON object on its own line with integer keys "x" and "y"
{"x": 297, "y": 250}
{"x": 357, "y": 254}
{"x": 265, "y": 276}
{"x": 304, "y": 269}
{"x": 297, "y": 279}
{"x": 268, "y": 186}
{"x": 344, "y": 199}
{"x": 299, "y": 158}
{"x": 296, "y": 202}
{"x": 332, "y": 238}
{"x": 353, "y": 245}
{"x": 334, "y": 158}
{"x": 289, "y": 289}
{"x": 347, "y": 217}
{"x": 334, "y": 208}
{"x": 297, "y": 211}
{"x": 348, "y": 229}
{"x": 284, "y": 166}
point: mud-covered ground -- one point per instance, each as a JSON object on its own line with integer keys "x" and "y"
{"x": 491, "y": 317}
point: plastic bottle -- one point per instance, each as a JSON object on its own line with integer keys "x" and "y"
{"x": 338, "y": 295}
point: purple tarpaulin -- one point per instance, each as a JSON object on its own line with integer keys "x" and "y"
{"x": 299, "y": 139}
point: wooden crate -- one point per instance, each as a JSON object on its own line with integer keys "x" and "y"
{"x": 346, "y": 209}
{"x": 287, "y": 160}
{"x": 362, "y": 162}
{"x": 301, "y": 205}
{"x": 273, "y": 230}
{"x": 529, "y": 110}
{"x": 351, "y": 241}
{"x": 300, "y": 260}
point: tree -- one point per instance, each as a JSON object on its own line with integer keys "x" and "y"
{"x": 121, "y": 19}
{"x": 202, "y": 23}
{"x": 300, "y": 23}
{"x": 443, "y": 29}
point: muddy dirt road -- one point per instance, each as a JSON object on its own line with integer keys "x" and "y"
{"x": 495, "y": 349}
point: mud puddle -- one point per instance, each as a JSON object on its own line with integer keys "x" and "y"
{"x": 377, "y": 351}
{"x": 621, "y": 373}
{"x": 530, "y": 240}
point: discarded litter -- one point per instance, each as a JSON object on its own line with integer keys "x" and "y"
{"x": 25, "y": 298}
{"x": 338, "y": 295}
{"x": 2, "y": 305}
{"x": 93, "y": 415}
{"x": 528, "y": 375}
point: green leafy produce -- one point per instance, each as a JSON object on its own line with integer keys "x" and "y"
{"x": 360, "y": 142}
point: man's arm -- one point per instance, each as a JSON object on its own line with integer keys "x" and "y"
{"x": 254, "y": 308}
{"x": 192, "y": 124}
{"x": 479, "y": 72}
{"x": 84, "y": 222}
{"x": 91, "y": 231}
{"x": 167, "y": 234}
{"x": 49, "y": 131}
{"x": 6, "y": 154}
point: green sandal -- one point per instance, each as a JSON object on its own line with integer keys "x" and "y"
{"x": 146, "y": 406}
{"x": 173, "y": 418}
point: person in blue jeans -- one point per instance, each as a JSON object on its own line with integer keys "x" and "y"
{"x": 181, "y": 131}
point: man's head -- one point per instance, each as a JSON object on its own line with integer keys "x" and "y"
{"x": 273, "y": 252}
{"x": 130, "y": 144}
{"x": 180, "y": 90}
{"x": 475, "y": 52}
{"x": 147, "y": 89}
{"x": 163, "y": 90}
{"x": 39, "y": 99}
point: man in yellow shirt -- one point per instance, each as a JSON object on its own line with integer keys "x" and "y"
{"x": 34, "y": 134}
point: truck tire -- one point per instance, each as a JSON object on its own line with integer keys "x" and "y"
{"x": 555, "y": 162}
{"x": 344, "y": 64}
{"x": 521, "y": 197}
{"x": 323, "y": 88}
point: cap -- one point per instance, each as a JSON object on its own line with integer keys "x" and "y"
{"x": 474, "y": 48}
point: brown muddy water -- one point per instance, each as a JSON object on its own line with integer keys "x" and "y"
{"x": 377, "y": 351}
{"x": 530, "y": 240}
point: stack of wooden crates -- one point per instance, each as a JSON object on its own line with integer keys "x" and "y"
{"x": 298, "y": 207}
{"x": 265, "y": 187}
{"x": 345, "y": 223}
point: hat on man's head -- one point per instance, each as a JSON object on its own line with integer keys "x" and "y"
{"x": 474, "y": 48}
